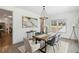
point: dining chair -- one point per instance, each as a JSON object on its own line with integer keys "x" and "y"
{"x": 57, "y": 39}
{"x": 29, "y": 46}
{"x": 51, "y": 42}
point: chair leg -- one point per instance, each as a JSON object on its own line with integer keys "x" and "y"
{"x": 53, "y": 49}
{"x": 57, "y": 44}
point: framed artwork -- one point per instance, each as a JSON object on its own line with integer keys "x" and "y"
{"x": 58, "y": 24}
{"x": 28, "y": 22}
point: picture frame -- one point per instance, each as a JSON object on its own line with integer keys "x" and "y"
{"x": 28, "y": 22}
{"x": 59, "y": 25}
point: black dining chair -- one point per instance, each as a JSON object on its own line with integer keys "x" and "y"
{"x": 57, "y": 39}
{"x": 39, "y": 33}
{"x": 51, "y": 42}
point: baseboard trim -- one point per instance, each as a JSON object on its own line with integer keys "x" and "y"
{"x": 68, "y": 38}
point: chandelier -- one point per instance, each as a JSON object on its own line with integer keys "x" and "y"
{"x": 44, "y": 14}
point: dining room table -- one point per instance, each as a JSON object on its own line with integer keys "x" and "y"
{"x": 43, "y": 37}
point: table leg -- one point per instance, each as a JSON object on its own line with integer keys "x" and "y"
{"x": 45, "y": 48}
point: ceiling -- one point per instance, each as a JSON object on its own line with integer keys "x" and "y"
{"x": 51, "y": 10}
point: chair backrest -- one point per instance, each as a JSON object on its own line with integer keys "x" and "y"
{"x": 58, "y": 37}
{"x": 53, "y": 39}
{"x": 27, "y": 45}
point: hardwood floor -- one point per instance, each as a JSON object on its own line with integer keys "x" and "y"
{"x": 66, "y": 46}
{"x": 5, "y": 41}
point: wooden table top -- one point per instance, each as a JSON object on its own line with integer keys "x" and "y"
{"x": 44, "y": 36}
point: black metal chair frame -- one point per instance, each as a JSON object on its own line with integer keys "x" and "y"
{"x": 51, "y": 42}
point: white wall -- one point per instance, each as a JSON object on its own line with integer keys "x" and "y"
{"x": 18, "y": 31}
{"x": 71, "y": 18}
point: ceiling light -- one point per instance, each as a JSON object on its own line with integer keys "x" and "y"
{"x": 44, "y": 14}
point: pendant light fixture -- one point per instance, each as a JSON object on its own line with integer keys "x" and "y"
{"x": 44, "y": 14}
{"x": 43, "y": 18}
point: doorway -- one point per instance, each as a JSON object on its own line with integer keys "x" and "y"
{"x": 5, "y": 29}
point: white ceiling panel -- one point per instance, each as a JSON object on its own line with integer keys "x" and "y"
{"x": 51, "y": 10}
